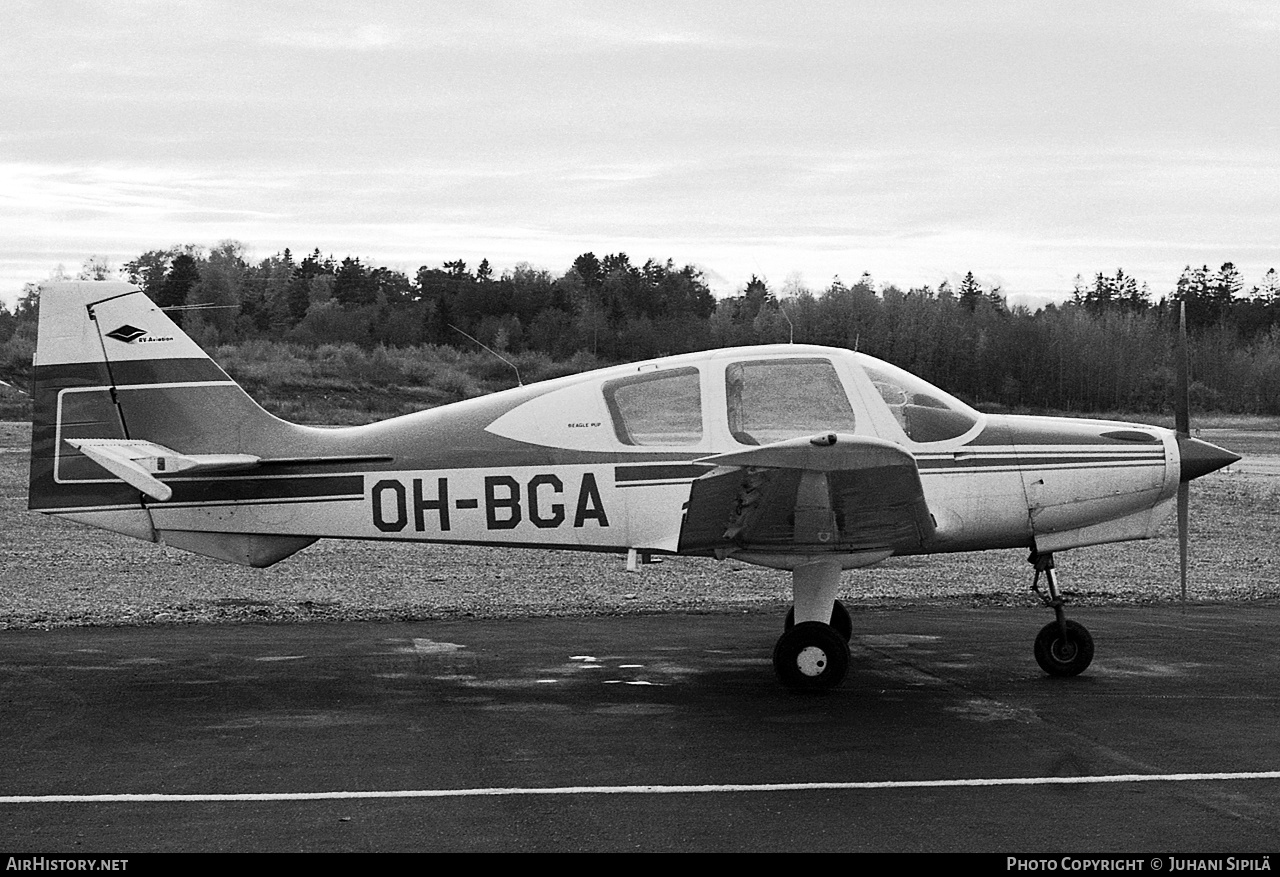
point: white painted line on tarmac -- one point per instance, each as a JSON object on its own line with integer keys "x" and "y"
{"x": 644, "y": 790}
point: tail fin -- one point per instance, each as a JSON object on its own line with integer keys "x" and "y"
{"x": 122, "y": 395}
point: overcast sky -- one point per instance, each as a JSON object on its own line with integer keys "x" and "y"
{"x": 1027, "y": 142}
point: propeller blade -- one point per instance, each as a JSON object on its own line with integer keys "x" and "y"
{"x": 1182, "y": 392}
{"x": 1182, "y": 423}
{"x": 1183, "y": 528}
{"x": 1196, "y": 457}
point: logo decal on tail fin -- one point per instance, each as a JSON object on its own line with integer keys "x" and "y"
{"x": 127, "y": 333}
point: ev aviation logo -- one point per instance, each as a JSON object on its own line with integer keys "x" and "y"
{"x": 129, "y": 334}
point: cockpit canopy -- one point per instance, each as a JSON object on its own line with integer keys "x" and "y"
{"x": 747, "y": 396}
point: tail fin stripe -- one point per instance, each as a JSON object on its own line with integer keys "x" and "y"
{"x": 168, "y": 371}
{"x": 165, "y": 373}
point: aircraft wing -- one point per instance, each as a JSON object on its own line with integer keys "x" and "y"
{"x": 835, "y": 492}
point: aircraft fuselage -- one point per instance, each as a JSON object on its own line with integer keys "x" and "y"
{"x": 546, "y": 466}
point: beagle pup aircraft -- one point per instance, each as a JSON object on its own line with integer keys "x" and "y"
{"x": 808, "y": 459}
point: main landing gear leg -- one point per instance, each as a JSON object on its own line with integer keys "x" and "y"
{"x": 1063, "y": 647}
{"x": 812, "y": 655}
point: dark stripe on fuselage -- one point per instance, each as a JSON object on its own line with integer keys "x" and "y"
{"x": 87, "y": 494}
{"x": 260, "y": 489}
{"x": 623, "y": 475}
{"x": 1034, "y": 460}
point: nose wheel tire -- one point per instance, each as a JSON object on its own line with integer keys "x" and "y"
{"x": 1059, "y": 657}
{"x": 840, "y": 620}
{"x": 811, "y": 656}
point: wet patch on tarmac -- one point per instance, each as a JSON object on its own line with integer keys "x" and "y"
{"x": 982, "y": 709}
{"x": 1138, "y": 667}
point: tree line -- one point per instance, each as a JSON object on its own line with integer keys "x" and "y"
{"x": 606, "y": 305}
{"x": 1108, "y": 347}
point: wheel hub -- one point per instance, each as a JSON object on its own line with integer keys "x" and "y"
{"x": 812, "y": 661}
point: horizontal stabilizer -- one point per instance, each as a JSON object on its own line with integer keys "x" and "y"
{"x": 138, "y": 462}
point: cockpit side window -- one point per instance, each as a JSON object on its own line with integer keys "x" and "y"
{"x": 656, "y": 408}
{"x": 774, "y": 399}
{"x": 924, "y": 412}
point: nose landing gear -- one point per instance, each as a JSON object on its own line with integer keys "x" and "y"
{"x": 1063, "y": 647}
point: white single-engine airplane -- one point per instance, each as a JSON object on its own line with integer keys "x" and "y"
{"x": 809, "y": 459}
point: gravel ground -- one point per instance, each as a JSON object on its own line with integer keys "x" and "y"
{"x": 54, "y": 573}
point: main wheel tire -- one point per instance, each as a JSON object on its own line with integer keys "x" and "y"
{"x": 1059, "y": 658}
{"x": 840, "y": 620}
{"x": 811, "y": 656}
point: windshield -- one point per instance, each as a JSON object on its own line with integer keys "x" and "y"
{"x": 925, "y": 413}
